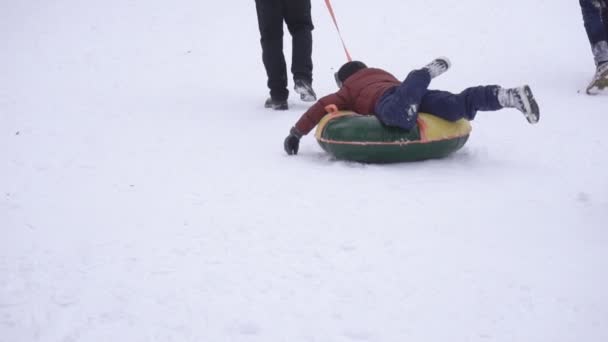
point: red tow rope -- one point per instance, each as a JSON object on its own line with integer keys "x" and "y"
{"x": 333, "y": 16}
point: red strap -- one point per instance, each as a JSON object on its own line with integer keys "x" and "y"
{"x": 331, "y": 11}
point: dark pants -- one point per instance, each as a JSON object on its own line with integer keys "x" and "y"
{"x": 595, "y": 19}
{"x": 400, "y": 105}
{"x": 296, "y": 14}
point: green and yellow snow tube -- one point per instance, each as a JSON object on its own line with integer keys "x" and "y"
{"x": 362, "y": 138}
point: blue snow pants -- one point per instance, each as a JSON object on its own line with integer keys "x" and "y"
{"x": 399, "y": 106}
{"x": 595, "y": 18}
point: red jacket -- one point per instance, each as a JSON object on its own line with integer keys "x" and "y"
{"x": 359, "y": 93}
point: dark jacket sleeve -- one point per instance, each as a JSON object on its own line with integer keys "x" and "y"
{"x": 315, "y": 113}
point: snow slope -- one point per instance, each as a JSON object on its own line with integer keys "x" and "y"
{"x": 145, "y": 195}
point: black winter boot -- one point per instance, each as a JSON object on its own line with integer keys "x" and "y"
{"x": 276, "y": 104}
{"x": 304, "y": 88}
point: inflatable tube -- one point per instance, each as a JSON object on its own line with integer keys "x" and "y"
{"x": 362, "y": 138}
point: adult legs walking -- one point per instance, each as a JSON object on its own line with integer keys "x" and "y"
{"x": 297, "y": 16}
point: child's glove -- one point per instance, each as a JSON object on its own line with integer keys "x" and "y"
{"x": 292, "y": 142}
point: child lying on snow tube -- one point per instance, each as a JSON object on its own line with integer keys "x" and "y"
{"x": 397, "y": 104}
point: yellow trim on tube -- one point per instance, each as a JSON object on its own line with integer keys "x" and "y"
{"x": 432, "y": 128}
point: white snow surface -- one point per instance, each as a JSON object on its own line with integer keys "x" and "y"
{"x": 145, "y": 194}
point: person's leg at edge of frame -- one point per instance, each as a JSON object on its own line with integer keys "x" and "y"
{"x": 604, "y": 16}
{"x": 270, "y": 21}
{"x": 595, "y": 18}
{"x": 595, "y": 15}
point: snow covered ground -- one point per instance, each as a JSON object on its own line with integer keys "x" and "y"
{"x": 145, "y": 194}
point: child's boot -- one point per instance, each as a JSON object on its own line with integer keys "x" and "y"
{"x": 522, "y": 99}
{"x": 438, "y": 66}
